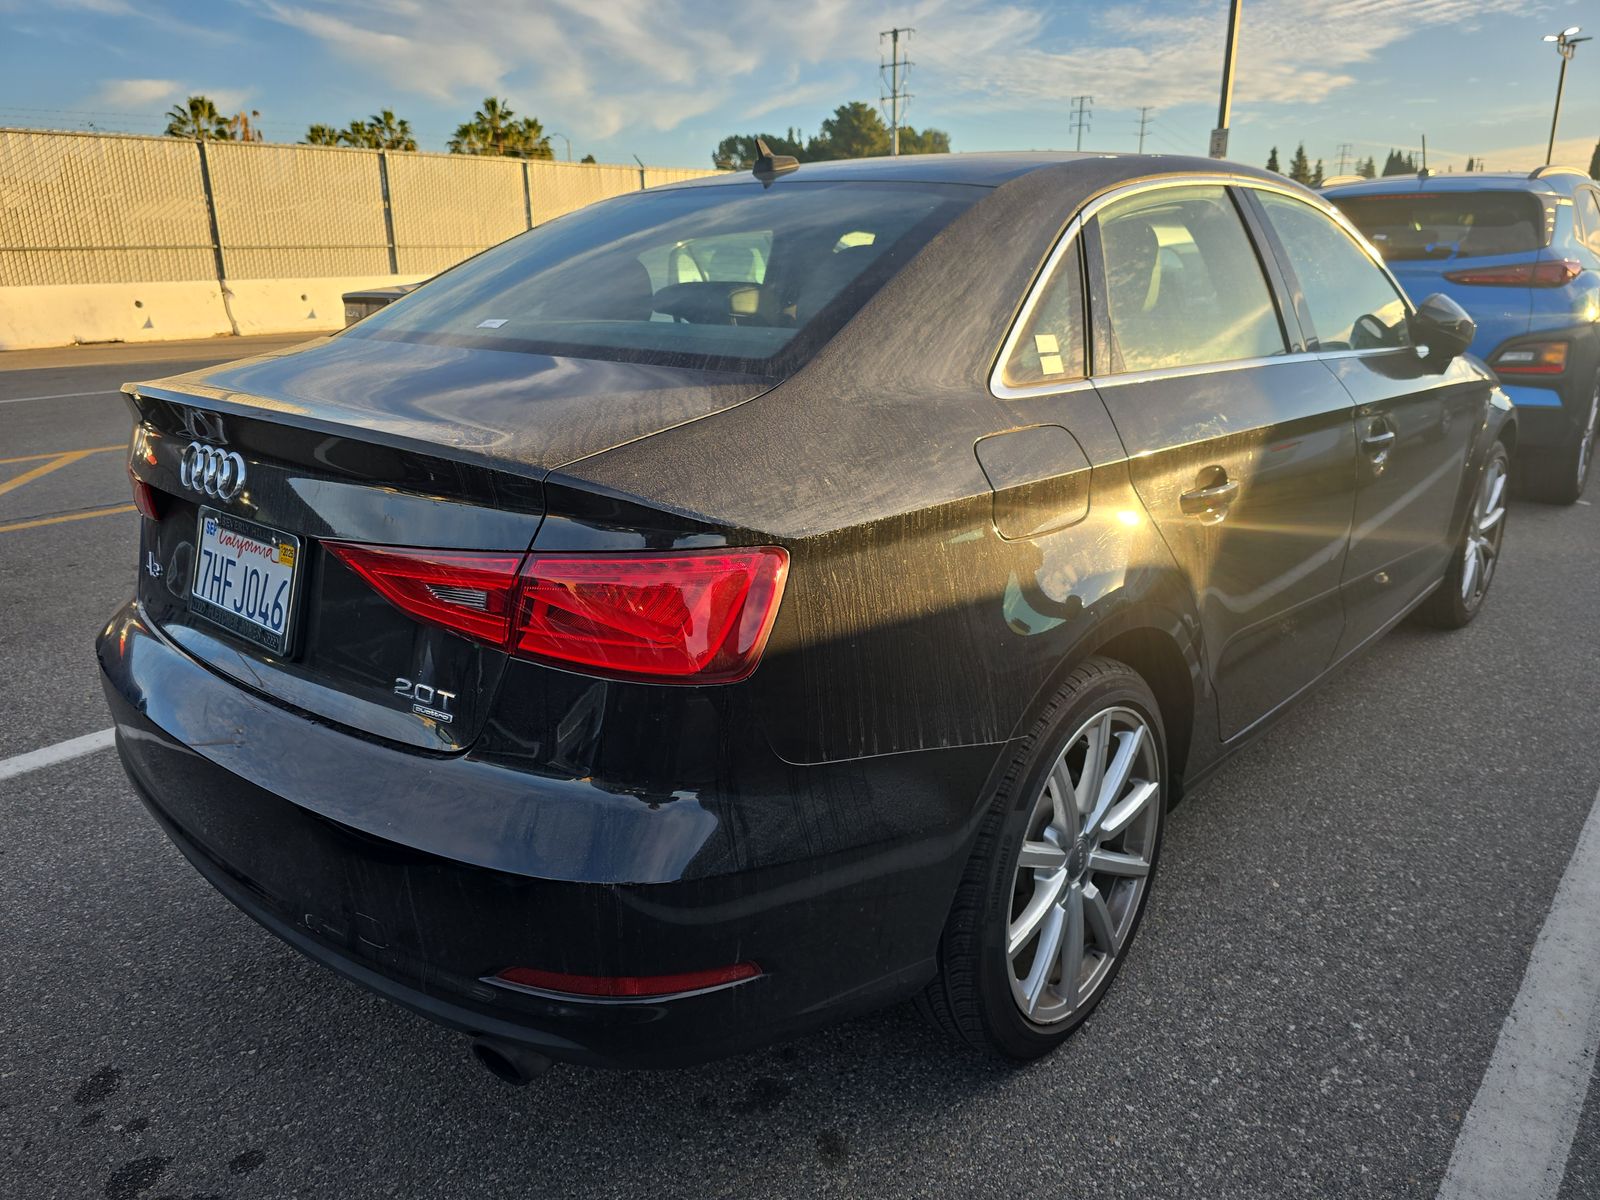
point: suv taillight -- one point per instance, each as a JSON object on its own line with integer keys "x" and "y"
{"x": 1557, "y": 273}
{"x": 688, "y": 616}
{"x": 1532, "y": 358}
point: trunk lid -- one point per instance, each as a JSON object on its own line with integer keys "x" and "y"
{"x": 383, "y": 443}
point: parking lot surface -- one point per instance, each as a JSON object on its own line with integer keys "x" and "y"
{"x": 1343, "y": 920}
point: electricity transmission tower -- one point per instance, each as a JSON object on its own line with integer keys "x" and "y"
{"x": 1345, "y": 151}
{"x": 1081, "y": 112}
{"x": 892, "y": 74}
{"x": 1144, "y": 120}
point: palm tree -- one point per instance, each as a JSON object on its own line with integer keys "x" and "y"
{"x": 322, "y": 135}
{"x": 358, "y": 133}
{"x": 390, "y": 133}
{"x": 494, "y": 129}
{"x": 197, "y": 117}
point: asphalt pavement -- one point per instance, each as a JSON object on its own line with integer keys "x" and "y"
{"x": 1341, "y": 924}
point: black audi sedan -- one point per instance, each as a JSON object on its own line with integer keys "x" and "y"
{"x": 745, "y": 603}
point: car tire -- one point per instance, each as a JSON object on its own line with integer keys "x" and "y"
{"x": 1560, "y": 476}
{"x": 1084, "y": 895}
{"x": 1460, "y": 595}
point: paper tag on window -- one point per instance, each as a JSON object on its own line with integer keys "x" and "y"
{"x": 493, "y": 323}
{"x": 1045, "y": 343}
{"x": 1050, "y": 364}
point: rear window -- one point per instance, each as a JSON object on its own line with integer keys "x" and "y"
{"x": 729, "y": 277}
{"x": 1448, "y": 224}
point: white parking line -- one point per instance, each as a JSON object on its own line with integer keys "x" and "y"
{"x": 61, "y": 752}
{"x": 63, "y": 396}
{"x": 1518, "y": 1132}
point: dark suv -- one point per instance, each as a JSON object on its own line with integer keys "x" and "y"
{"x": 1521, "y": 253}
{"x": 746, "y": 603}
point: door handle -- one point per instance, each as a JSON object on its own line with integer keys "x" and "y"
{"x": 1209, "y": 501}
{"x": 1379, "y": 440}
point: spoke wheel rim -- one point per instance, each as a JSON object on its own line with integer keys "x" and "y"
{"x": 1486, "y": 527}
{"x": 1586, "y": 446}
{"x": 1085, "y": 863}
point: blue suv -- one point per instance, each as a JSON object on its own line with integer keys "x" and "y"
{"x": 1521, "y": 253}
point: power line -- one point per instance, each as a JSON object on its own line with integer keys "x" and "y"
{"x": 897, "y": 68}
{"x": 1081, "y": 112}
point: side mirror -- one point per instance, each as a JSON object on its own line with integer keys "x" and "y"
{"x": 1442, "y": 328}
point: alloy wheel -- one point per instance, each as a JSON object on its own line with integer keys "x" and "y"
{"x": 1084, "y": 865}
{"x": 1484, "y": 533}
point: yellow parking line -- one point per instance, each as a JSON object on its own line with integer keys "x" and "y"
{"x": 77, "y": 516}
{"x": 55, "y": 464}
{"x": 59, "y": 453}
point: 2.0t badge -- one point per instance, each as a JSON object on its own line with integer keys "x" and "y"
{"x": 212, "y": 470}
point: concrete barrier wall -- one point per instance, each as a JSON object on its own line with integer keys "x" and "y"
{"x": 81, "y": 313}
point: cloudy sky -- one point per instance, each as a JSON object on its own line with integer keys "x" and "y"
{"x": 666, "y": 79}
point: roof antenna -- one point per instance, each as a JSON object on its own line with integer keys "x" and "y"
{"x": 768, "y": 166}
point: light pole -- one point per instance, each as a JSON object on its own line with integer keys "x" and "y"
{"x": 1566, "y": 46}
{"x": 1219, "y": 135}
{"x": 565, "y": 139}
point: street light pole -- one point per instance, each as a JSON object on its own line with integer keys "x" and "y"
{"x": 1566, "y": 46}
{"x": 564, "y": 138}
{"x": 1219, "y": 135}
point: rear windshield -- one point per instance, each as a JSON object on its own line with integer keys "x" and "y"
{"x": 729, "y": 277}
{"x": 1448, "y": 224}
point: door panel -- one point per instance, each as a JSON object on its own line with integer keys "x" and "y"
{"x": 1266, "y": 568}
{"x": 1242, "y": 453}
{"x": 1406, "y": 493}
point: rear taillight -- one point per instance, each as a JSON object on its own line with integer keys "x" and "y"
{"x": 144, "y": 497}
{"x": 471, "y": 593}
{"x": 1557, "y": 273}
{"x": 691, "y": 616}
{"x": 1533, "y": 358}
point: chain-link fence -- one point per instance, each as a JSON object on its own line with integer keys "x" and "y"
{"x": 110, "y": 208}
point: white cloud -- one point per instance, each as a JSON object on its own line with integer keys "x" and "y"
{"x": 120, "y": 95}
{"x": 615, "y": 63}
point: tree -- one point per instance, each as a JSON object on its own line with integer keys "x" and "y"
{"x": 321, "y": 135}
{"x": 494, "y": 129}
{"x": 1594, "y": 162}
{"x": 1367, "y": 169}
{"x": 929, "y": 141}
{"x": 239, "y": 128}
{"x": 1272, "y": 161}
{"x": 1469, "y": 166}
{"x": 588, "y": 158}
{"x": 1317, "y": 175}
{"x": 359, "y": 134}
{"x": 854, "y": 131}
{"x": 1300, "y": 165}
{"x": 1400, "y": 164}
{"x": 196, "y": 117}
{"x": 388, "y": 132}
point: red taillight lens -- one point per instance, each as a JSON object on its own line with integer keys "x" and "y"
{"x": 691, "y": 616}
{"x": 1533, "y": 358}
{"x": 697, "y": 616}
{"x": 472, "y": 593}
{"x": 1558, "y": 273}
{"x": 144, "y": 497}
{"x": 629, "y": 986}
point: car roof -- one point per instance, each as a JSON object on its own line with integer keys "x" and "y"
{"x": 1559, "y": 181}
{"x": 989, "y": 168}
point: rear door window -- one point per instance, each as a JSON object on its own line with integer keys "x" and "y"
{"x": 1350, "y": 300}
{"x": 1183, "y": 284}
{"x": 1445, "y": 225}
{"x": 1050, "y": 347}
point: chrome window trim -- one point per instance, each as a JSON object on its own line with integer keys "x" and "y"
{"x": 1068, "y": 240}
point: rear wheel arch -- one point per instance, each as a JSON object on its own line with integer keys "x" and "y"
{"x": 1157, "y": 657}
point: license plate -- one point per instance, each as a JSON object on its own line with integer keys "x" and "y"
{"x": 244, "y": 578}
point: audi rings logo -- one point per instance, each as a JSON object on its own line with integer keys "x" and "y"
{"x": 213, "y": 471}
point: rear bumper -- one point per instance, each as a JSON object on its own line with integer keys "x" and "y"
{"x": 834, "y": 933}
{"x": 1551, "y": 409}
